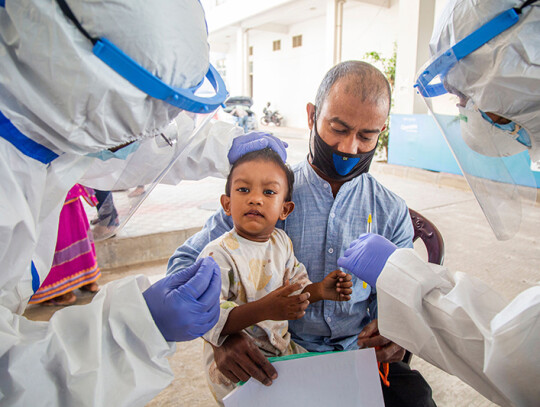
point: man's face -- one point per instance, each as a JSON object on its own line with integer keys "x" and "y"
{"x": 345, "y": 122}
{"x": 257, "y": 200}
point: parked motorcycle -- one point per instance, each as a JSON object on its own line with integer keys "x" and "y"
{"x": 271, "y": 116}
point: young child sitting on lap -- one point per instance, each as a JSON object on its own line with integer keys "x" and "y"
{"x": 263, "y": 285}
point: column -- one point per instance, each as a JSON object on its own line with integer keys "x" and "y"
{"x": 416, "y": 18}
{"x": 242, "y": 60}
{"x": 334, "y": 29}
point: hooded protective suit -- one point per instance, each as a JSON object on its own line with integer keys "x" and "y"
{"x": 58, "y": 103}
{"x": 453, "y": 320}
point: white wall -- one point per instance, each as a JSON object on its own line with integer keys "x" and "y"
{"x": 368, "y": 28}
{"x": 289, "y": 78}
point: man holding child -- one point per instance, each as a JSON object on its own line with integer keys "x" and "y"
{"x": 333, "y": 195}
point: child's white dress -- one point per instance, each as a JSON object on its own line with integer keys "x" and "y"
{"x": 249, "y": 271}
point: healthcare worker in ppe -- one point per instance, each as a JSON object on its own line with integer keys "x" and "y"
{"x": 483, "y": 88}
{"x": 86, "y": 85}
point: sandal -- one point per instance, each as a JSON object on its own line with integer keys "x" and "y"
{"x": 61, "y": 301}
{"x": 90, "y": 287}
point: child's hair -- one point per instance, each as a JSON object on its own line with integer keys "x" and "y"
{"x": 266, "y": 154}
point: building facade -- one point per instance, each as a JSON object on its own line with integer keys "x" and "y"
{"x": 277, "y": 51}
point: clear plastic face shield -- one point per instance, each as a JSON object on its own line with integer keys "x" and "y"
{"x": 491, "y": 151}
{"x": 126, "y": 176}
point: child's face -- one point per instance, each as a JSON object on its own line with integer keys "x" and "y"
{"x": 257, "y": 201}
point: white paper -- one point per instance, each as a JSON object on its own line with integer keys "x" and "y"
{"x": 336, "y": 379}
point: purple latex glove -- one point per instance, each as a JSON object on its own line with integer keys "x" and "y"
{"x": 185, "y": 305}
{"x": 254, "y": 141}
{"x": 366, "y": 257}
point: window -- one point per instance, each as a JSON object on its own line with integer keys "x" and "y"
{"x": 276, "y": 45}
{"x": 250, "y": 51}
{"x": 297, "y": 41}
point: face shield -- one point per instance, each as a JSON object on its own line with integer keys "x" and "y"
{"x": 492, "y": 146}
{"x": 145, "y": 161}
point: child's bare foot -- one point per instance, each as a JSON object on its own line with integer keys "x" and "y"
{"x": 61, "y": 300}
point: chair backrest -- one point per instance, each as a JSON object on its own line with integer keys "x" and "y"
{"x": 430, "y": 235}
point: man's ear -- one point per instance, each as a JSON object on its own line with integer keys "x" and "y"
{"x": 226, "y": 204}
{"x": 310, "y": 109}
{"x": 288, "y": 207}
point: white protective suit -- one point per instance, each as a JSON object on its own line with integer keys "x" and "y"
{"x": 453, "y": 320}
{"x": 458, "y": 323}
{"x": 57, "y": 93}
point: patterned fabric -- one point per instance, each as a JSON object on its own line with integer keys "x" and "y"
{"x": 74, "y": 263}
{"x": 249, "y": 271}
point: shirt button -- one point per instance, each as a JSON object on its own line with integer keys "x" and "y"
{"x": 332, "y": 215}
{"x": 326, "y": 186}
{"x": 330, "y": 250}
{"x": 328, "y": 319}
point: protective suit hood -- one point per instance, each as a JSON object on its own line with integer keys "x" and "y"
{"x": 57, "y": 92}
{"x": 490, "y": 76}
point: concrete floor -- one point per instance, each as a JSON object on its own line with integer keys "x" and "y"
{"x": 510, "y": 267}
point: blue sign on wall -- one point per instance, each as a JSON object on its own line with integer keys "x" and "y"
{"x": 416, "y": 141}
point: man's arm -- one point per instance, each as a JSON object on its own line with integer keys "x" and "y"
{"x": 187, "y": 254}
{"x": 403, "y": 233}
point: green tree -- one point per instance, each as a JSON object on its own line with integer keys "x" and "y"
{"x": 388, "y": 66}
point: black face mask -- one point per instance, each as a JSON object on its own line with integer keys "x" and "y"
{"x": 336, "y": 165}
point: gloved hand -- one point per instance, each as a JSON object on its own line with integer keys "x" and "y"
{"x": 185, "y": 305}
{"x": 366, "y": 257}
{"x": 254, "y": 141}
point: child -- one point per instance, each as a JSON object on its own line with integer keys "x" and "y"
{"x": 263, "y": 285}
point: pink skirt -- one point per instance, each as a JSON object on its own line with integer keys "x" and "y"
{"x": 74, "y": 263}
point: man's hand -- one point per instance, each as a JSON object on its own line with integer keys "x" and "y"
{"x": 238, "y": 358}
{"x": 336, "y": 286}
{"x": 386, "y": 350}
{"x": 280, "y": 305}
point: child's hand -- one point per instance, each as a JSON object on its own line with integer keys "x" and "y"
{"x": 280, "y": 306}
{"x": 336, "y": 286}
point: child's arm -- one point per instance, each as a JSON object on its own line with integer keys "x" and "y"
{"x": 276, "y": 306}
{"x": 336, "y": 286}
